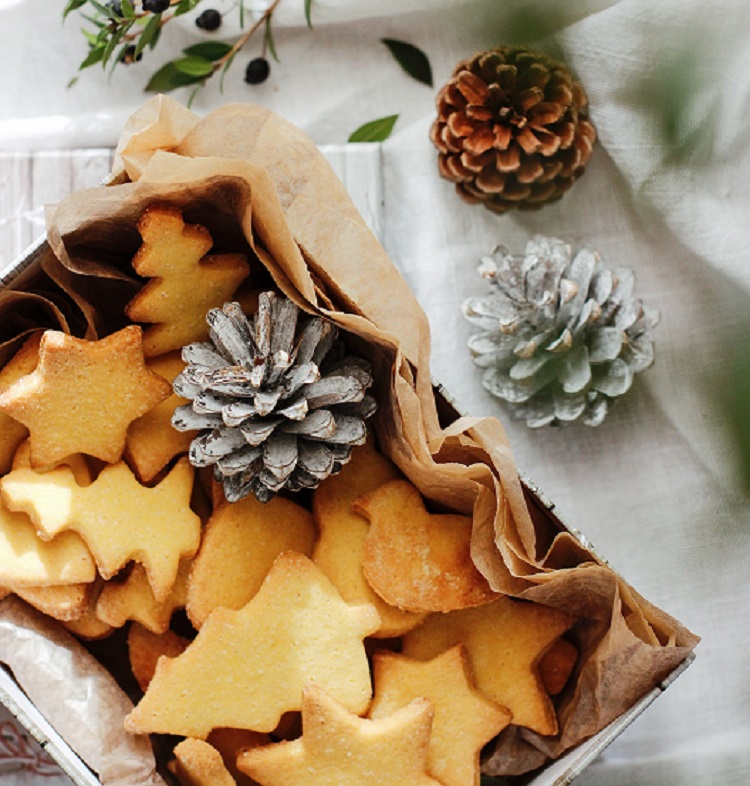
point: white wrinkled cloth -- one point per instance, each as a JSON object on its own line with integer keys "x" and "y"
{"x": 654, "y": 487}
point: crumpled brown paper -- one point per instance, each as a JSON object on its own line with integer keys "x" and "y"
{"x": 262, "y": 187}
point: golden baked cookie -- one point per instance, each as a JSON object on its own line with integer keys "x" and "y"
{"x": 504, "y": 640}
{"x": 240, "y": 543}
{"x": 184, "y": 283}
{"x": 465, "y": 720}
{"x": 28, "y": 561}
{"x": 246, "y": 668}
{"x": 337, "y": 747}
{"x": 118, "y": 518}
{"x": 196, "y": 763}
{"x": 415, "y": 559}
{"x": 65, "y": 602}
{"x": 133, "y": 599}
{"x": 145, "y": 648}
{"x": 341, "y": 542}
{"x": 152, "y": 441}
{"x": 83, "y": 395}
{"x": 12, "y": 433}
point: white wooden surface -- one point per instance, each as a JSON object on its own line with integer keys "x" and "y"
{"x": 28, "y": 181}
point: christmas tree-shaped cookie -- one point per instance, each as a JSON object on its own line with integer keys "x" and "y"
{"x": 246, "y": 668}
{"x": 184, "y": 282}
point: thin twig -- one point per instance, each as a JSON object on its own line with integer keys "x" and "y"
{"x": 245, "y": 36}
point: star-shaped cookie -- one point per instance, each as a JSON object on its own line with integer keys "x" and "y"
{"x": 119, "y": 519}
{"x": 337, "y": 747}
{"x": 465, "y": 720}
{"x": 83, "y": 395}
{"x": 246, "y": 668}
{"x": 504, "y": 641}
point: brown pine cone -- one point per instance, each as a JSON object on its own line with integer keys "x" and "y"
{"x": 512, "y": 129}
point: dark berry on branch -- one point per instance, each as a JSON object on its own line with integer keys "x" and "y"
{"x": 210, "y": 19}
{"x": 115, "y": 6}
{"x": 257, "y": 71}
{"x": 128, "y": 56}
{"x": 155, "y": 6}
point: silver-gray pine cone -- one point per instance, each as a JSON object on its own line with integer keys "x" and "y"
{"x": 276, "y": 402}
{"x": 561, "y": 336}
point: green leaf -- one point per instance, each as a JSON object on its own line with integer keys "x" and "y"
{"x": 194, "y": 66}
{"x": 308, "y": 13}
{"x": 269, "y": 40}
{"x": 96, "y": 22}
{"x": 149, "y": 34}
{"x": 89, "y": 36}
{"x": 155, "y": 39}
{"x": 72, "y": 6}
{"x": 208, "y": 50}
{"x": 374, "y": 131}
{"x": 169, "y": 77}
{"x": 127, "y": 9}
{"x": 111, "y": 44}
{"x": 412, "y": 59}
{"x": 94, "y": 56}
{"x": 102, "y": 9}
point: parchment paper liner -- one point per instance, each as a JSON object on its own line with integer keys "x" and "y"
{"x": 260, "y": 185}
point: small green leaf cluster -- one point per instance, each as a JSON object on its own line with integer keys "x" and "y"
{"x": 120, "y": 27}
{"x": 121, "y": 30}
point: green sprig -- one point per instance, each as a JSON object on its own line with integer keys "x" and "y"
{"x": 130, "y": 29}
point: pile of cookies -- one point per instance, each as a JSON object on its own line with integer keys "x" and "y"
{"x": 341, "y": 636}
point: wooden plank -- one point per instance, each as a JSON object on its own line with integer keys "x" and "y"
{"x": 50, "y": 180}
{"x": 89, "y": 168}
{"x": 28, "y": 181}
{"x": 16, "y": 202}
{"x": 359, "y": 167}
